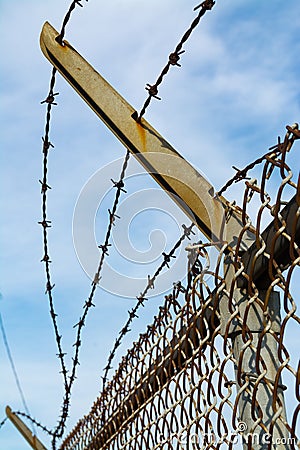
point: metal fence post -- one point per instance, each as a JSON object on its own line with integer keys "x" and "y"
{"x": 255, "y": 374}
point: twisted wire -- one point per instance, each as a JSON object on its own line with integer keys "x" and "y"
{"x": 34, "y": 422}
{"x": 174, "y": 57}
{"x": 132, "y": 314}
{"x": 3, "y": 422}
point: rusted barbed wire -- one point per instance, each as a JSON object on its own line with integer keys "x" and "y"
{"x": 67, "y": 19}
{"x": 35, "y": 422}
{"x": 202, "y": 362}
{"x": 46, "y": 223}
{"x": 205, "y": 325}
{"x": 241, "y": 174}
{"x": 58, "y": 431}
{"x": 132, "y": 314}
{"x": 89, "y": 303}
{"x": 174, "y": 58}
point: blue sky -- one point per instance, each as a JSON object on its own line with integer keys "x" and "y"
{"x": 236, "y": 90}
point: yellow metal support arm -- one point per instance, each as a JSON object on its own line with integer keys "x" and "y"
{"x": 190, "y": 190}
{"x": 33, "y": 441}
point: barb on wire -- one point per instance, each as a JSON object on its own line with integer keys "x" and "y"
{"x": 34, "y": 422}
{"x": 142, "y": 298}
{"x": 50, "y": 100}
{"x": 241, "y": 174}
{"x": 174, "y": 57}
{"x": 292, "y": 134}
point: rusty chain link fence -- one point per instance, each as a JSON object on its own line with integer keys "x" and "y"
{"x": 217, "y": 365}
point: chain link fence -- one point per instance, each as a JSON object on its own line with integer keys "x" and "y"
{"x": 217, "y": 365}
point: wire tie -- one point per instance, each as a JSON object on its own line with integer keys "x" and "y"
{"x": 80, "y": 323}
{"x": 141, "y": 299}
{"x": 132, "y": 314}
{"x": 241, "y": 174}
{"x": 79, "y": 4}
{"x": 88, "y": 304}
{"x": 76, "y": 362}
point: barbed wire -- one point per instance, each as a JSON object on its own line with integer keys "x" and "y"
{"x": 274, "y": 151}
{"x": 50, "y": 100}
{"x": 194, "y": 271}
{"x": 68, "y": 383}
{"x": 46, "y": 223}
{"x": 89, "y": 303}
{"x": 132, "y": 314}
{"x": 3, "y": 422}
{"x": 58, "y": 431}
{"x": 174, "y": 58}
{"x": 67, "y": 19}
{"x": 34, "y": 422}
{"x": 204, "y": 342}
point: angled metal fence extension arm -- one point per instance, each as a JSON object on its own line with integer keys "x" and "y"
{"x": 32, "y": 440}
{"x": 190, "y": 190}
{"x": 213, "y": 215}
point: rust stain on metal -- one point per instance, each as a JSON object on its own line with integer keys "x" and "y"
{"x": 142, "y": 135}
